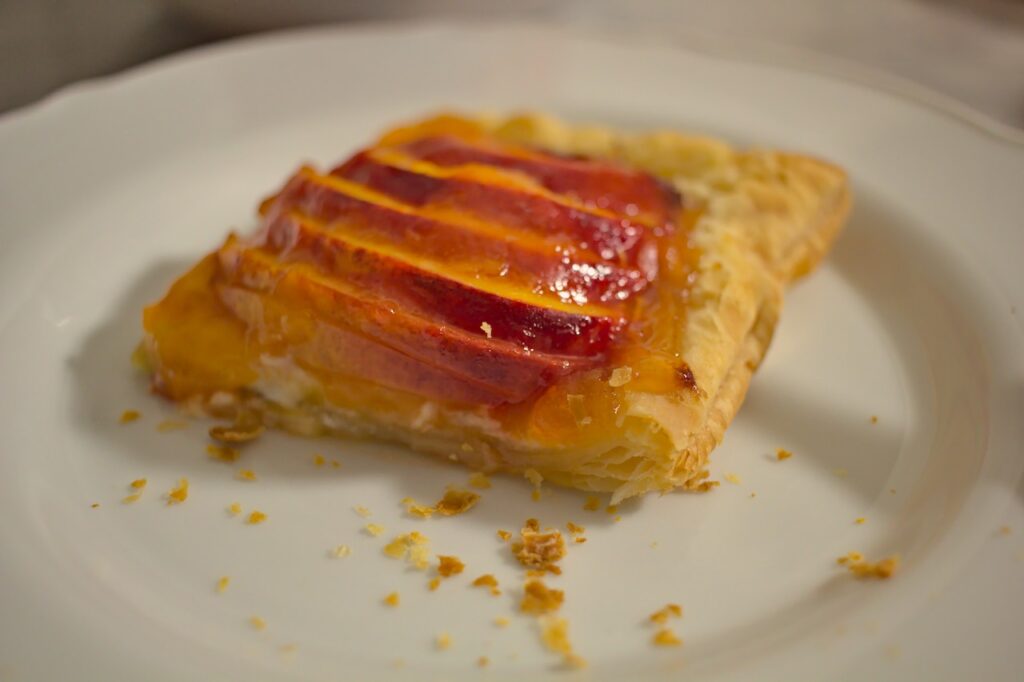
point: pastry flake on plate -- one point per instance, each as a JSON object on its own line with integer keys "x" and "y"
{"x": 512, "y": 293}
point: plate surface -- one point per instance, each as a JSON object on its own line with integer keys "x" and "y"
{"x": 111, "y": 189}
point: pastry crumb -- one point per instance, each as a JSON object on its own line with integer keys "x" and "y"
{"x": 374, "y": 529}
{"x": 454, "y": 502}
{"x": 504, "y": 535}
{"x": 341, "y": 551}
{"x": 538, "y": 598}
{"x": 179, "y": 493}
{"x": 392, "y": 599}
{"x": 256, "y": 517}
{"x": 862, "y": 568}
{"x": 555, "y": 635}
{"x": 443, "y": 641}
{"x": 258, "y": 623}
{"x": 479, "y": 480}
{"x": 246, "y": 475}
{"x": 336, "y": 464}
{"x": 539, "y": 550}
{"x": 860, "y": 520}
{"x": 620, "y": 377}
{"x": 171, "y": 425}
{"x": 234, "y": 509}
{"x": 138, "y": 483}
{"x": 593, "y": 503}
{"x": 240, "y": 432}
{"x": 223, "y": 453}
{"x": 434, "y": 584}
{"x": 782, "y": 454}
{"x": 129, "y": 416}
{"x": 483, "y": 661}
{"x": 222, "y": 583}
{"x": 130, "y": 499}
{"x": 1005, "y": 530}
{"x": 362, "y": 511}
{"x": 662, "y": 615}
{"x": 447, "y": 566}
{"x": 874, "y": 419}
{"x": 612, "y": 509}
{"x": 732, "y": 478}
{"x": 319, "y": 460}
{"x": 501, "y": 621}
{"x": 535, "y": 494}
{"x": 95, "y": 505}
{"x": 666, "y": 637}
{"x": 575, "y": 529}
{"x": 488, "y": 580}
{"x": 412, "y": 547}
{"x": 486, "y": 329}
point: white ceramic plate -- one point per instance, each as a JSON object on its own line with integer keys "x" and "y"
{"x": 109, "y": 190}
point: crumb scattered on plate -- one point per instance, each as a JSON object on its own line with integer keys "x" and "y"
{"x": 538, "y": 598}
{"x": 374, "y": 529}
{"x": 413, "y": 548}
{"x": 443, "y": 641}
{"x": 222, "y": 583}
{"x": 732, "y": 478}
{"x": 483, "y": 661}
{"x": 179, "y": 493}
{"x": 223, "y": 453}
{"x": 666, "y": 637}
{"x": 454, "y": 502}
{"x": 555, "y": 635}
{"x": 448, "y": 566}
{"x": 246, "y": 475}
{"x": 258, "y": 623}
{"x": 662, "y": 615}
{"x": 234, "y": 509}
{"x": 130, "y": 499}
{"x": 479, "y": 480}
{"x": 538, "y": 549}
{"x": 860, "y": 567}
{"x": 504, "y": 535}
{"x": 95, "y": 505}
{"x": 782, "y": 454}
{"x": 593, "y": 503}
{"x": 362, "y": 511}
{"x": 488, "y": 580}
{"x": 874, "y": 419}
{"x": 860, "y": 520}
{"x": 319, "y": 460}
{"x": 255, "y": 517}
{"x": 129, "y": 416}
{"x": 392, "y": 599}
{"x": 139, "y": 483}
{"x": 341, "y": 551}
{"x": 501, "y": 621}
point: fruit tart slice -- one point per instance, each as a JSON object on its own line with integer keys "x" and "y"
{"x": 511, "y": 293}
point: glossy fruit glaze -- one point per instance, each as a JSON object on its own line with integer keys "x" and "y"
{"x": 440, "y": 263}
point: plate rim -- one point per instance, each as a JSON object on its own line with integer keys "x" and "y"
{"x": 701, "y": 42}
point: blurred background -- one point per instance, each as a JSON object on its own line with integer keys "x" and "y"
{"x": 971, "y": 50}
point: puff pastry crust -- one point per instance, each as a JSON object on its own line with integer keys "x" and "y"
{"x": 637, "y": 414}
